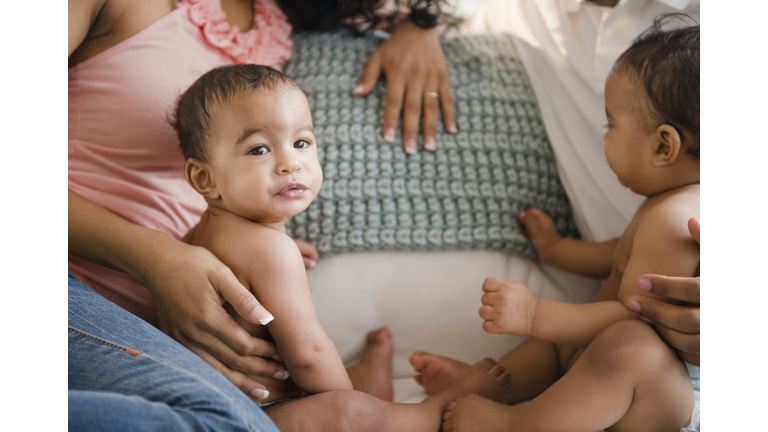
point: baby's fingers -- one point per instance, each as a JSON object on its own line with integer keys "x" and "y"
{"x": 488, "y": 313}
{"x": 492, "y": 285}
{"x": 492, "y": 327}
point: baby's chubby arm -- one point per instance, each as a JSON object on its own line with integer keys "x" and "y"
{"x": 661, "y": 245}
{"x": 278, "y": 279}
{"x": 577, "y": 256}
{"x": 510, "y": 308}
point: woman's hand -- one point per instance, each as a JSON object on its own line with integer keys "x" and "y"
{"x": 413, "y": 62}
{"x": 677, "y": 325}
{"x": 189, "y": 286}
{"x": 190, "y": 298}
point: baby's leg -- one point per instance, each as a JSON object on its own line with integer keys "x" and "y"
{"x": 533, "y": 367}
{"x": 627, "y": 379}
{"x": 356, "y": 411}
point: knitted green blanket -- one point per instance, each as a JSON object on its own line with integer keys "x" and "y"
{"x": 465, "y": 195}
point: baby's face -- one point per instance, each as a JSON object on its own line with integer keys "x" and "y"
{"x": 263, "y": 155}
{"x": 626, "y": 140}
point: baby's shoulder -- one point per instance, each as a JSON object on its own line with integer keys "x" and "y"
{"x": 248, "y": 247}
{"x": 667, "y": 216}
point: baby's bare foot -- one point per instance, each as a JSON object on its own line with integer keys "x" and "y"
{"x": 540, "y": 230}
{"x": 436, "y": 373}
{"x": 473, "y": 413}
{"x": 485, "y": 378}
{"x": 373, "y": 375}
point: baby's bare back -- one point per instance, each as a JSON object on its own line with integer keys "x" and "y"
{"x": 655, "y": 242}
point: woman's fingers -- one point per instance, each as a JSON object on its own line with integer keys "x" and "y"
{"x": 431, "y": 109}
{"x": 393, "y": 106}
{"x": 695, "y": 229}
{"x": 242, "y": 300}
{"x": 685, "y": 319}
{"x": 235, "y": 359}
{"x": 246, "y": 384}
{"x": 412, "y": 113}
{"x": 371, "y": 74}
{"x": 446, "y": 103}
{"x": 687, "y": 345}
{"x": 414, "y": 64}
{"x": 685, "y": 289}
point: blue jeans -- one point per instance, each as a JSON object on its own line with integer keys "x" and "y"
{"x": 126, "y": 375}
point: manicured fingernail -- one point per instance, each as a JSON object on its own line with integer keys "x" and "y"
{"x": 410, "y": 146}
{"x": 260, "y": 393}
{"x": 267, "y": 320}
{"x": 358, "y": 89}
{"x": 633, "y": 305}
{"x": 276, "y": 357}
{"x": 644, "y": 284}
{"x": 452, "y": 128}
{"x": 389, "y": 134}
{"x": 311, "y": 264}
{"x": 429, "y": 143}
{"x": 280, "y": 375}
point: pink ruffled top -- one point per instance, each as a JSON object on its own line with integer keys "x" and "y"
{"x": 123, "y": 154}
{"x": 267, "y": 42}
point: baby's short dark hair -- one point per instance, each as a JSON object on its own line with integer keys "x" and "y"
{"x": 665, "y": 64}
{"x": 192, "y": 115}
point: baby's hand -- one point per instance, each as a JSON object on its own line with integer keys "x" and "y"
{"x": 540, "y": 231}
{"x": 308, "y": 252}
{"x": 508, "y": 307}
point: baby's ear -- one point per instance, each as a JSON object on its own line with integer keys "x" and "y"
{"x": 667, "y": 143}
{"x": 199, "y": 177}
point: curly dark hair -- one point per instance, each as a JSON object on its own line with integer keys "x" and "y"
{"x": 665, "y": 63}
{"x": 192, "y": 116}
{"x": 325, "y": 15}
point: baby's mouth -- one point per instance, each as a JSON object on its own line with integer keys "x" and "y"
{"x": 293, "y": 190}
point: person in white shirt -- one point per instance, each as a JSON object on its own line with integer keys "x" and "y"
{"x": 568, "y": 48}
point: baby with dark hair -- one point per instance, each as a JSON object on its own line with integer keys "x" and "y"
{"x": 597, "y": 366}
{"x": 247, "y": 135}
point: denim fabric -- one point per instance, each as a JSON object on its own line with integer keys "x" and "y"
{"x": 125, "y": 374}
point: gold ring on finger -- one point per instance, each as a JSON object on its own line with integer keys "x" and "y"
{"x": 431, "y": 95}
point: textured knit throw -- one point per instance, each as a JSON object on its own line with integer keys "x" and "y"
{"x": 465, "y": 195}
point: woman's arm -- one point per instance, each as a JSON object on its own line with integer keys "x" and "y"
{"x": 188, "y": 285}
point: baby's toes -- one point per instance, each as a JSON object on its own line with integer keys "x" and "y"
{"x": 448, "y": 414}
{"x": 505, "y": 382}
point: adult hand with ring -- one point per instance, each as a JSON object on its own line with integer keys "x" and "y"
{"x": 417, "y": 83}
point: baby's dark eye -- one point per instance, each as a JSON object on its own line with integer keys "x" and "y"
{"x": 607, "y": 125}
{"x": 301, "y": 144}
{"x": 259, "y": 150}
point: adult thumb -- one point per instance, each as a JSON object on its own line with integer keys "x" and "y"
{"x": 242, "y": 300}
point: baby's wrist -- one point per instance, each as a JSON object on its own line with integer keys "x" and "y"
{"x": 548, "y": 254}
